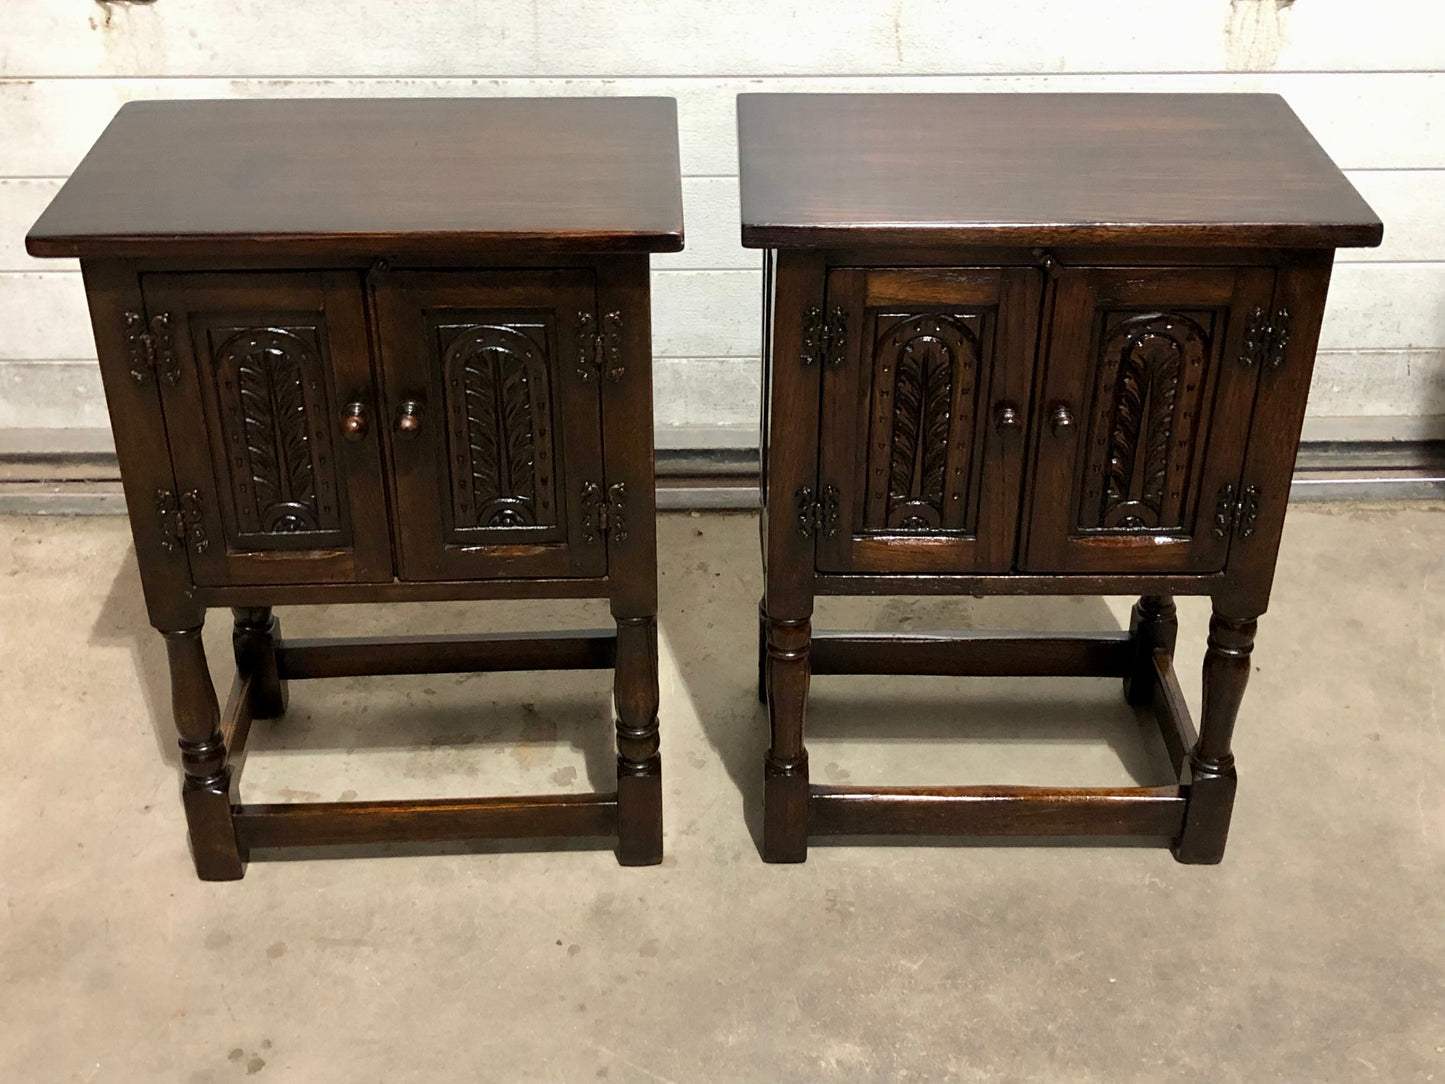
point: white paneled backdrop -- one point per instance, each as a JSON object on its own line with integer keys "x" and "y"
{"x": 1366, "y": 77}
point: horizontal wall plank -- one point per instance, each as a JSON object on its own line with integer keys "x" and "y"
{"x": 1382, "y": 306}
{"x": 706, "y": 37}
{"x": 21, "y": 202}
{"x": 1372, "y": 306}
{"x": 1393, "y": 383}
{"x": 1411, "y": 204}
{"x": 706, "y": 313}
{"x": 1365, "y": 121}
{"x": 51, "y": 395}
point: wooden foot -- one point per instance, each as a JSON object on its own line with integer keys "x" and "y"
{"x": 1211, "y": 763}
{"x": 206, "y": 789}
{"x": 785, "y": 788}
{"x": 639, "y": 765}
{"x": 256, "y": 637}
{"x": 1154, "y": 625}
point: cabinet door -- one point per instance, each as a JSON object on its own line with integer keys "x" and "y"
{"x": 491, "y": 382}
{"x": 1142, "y": 417}
{"x": 255, "y": 372}
{"x": 925, "y": 396}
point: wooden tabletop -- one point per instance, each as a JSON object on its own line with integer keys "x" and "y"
{"x": 1168, "y": 169}
{"x": 372, "y": 177}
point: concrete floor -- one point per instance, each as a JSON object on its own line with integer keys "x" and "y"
{"x": 1315, "y": 952}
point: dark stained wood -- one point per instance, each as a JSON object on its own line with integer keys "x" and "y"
{"x": 206, "y": 782}
{"x": 302, "y": 421}
{"x": 1053, "y": 344}
{"x": 316, "y": 824}
{"x": 373, "y": 177}
{"x": 924, "y": 417}
{"x": 1176, "y": 725}
{"x": 1211, "y": 762}
{"x": 1039, "y": 169}
{"x": 256, "y": 641}
{"x": 1017, "y": 583}
{"x": 1153, "y": 627}
{"x": 790, "y": 457}
{"x": 501, "y": 435}
{"x": 583, "y": 649}
{"x": 996, "y": 811}
{"x": 326, "y": 594}
{"x": 972, "y": 654}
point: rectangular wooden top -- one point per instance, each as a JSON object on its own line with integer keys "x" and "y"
{"x": 367, "y": 177}
{"x": 1037, "y": 169}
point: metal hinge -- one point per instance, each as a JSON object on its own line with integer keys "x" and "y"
{"x": 152, "y": 352}
{"x": 825, "y": 342}
{"x": 601, "y": 518}
{"x": 1236, "y": 511}
{"x": 1265, "y": 338}
{"x": 816, "y": 515}
{"x": 599, "y": 351}
{"x": 181, "y": 523}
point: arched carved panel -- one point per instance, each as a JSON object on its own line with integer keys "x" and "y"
{"x": 1152, "y": 371}
{"x": 272, "y": 393}
{"x": 921, "y": 414}
{"x": 499, "y": 426}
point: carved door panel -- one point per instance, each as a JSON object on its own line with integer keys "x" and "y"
{"x": 492, "y": 380}
{"x": 926, "y": 383}
{"x": 1140, "y": 427}
{"x": 255, "y": 372}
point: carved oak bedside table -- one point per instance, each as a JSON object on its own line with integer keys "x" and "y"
{"x": 383, "y": 351}
{"x": 1031, "y": 344}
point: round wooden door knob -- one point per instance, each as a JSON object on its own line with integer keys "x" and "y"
{"x": 408, "y": 418}
{"x": 354, "y": 421}
{"x": 1007, "y": 418}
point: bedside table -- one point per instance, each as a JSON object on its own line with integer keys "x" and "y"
{"x": 1031, "y": 344}
{"x": 383, "y": 351}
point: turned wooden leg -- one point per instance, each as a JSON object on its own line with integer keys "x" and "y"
{"x": 785, "y": 790}
{"x": 255, "y": 639}
{"x": 639, "y": 765}
{"x": 207, "y": 784}
{"x": 762, "y": 654}
{"x": 1211, "y": 764}
{"x": 1153, "y": 624}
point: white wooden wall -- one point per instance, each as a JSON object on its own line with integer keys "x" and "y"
{"x": 1366, "y": 77}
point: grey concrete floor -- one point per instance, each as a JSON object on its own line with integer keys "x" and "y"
{"x": 1316, "y": 952}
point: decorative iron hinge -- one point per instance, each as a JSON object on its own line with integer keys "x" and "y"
{"x": 151, "y": 351}
{"x": 181, "y": 523}
{"x": 599, "y": 351}
{"x": 1265, "y": 338}
{"x": 1236, "y": 511}
{"x": 817, "y": 515}
{"x": 824, "y": 342}
{"x": 604, "y": 517}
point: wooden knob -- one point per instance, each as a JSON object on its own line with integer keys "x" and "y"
{"x": 354, "y": 421}
{"x": 1061, "y": 419}
{"x": 1007, "y": 418}
{"x": 408, "y": 418}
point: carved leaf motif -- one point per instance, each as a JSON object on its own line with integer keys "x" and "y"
{"x": 270, "y": 366}
{"x": 1147, "y": 354}
{"x": 504, "y": 387}
{"x": 932, "y": 356}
